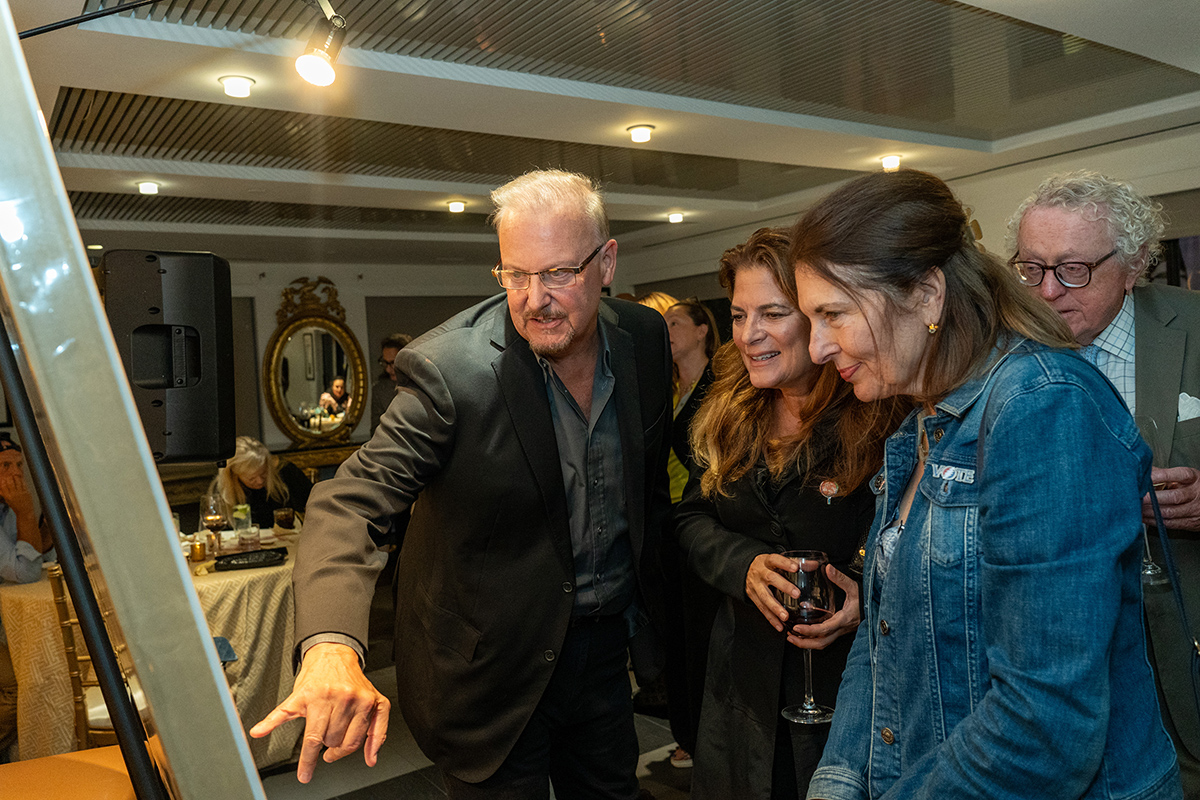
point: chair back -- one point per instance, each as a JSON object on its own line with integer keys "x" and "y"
{"x": 78, "y": 668}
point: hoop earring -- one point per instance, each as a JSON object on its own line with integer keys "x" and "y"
{"x": 933, "y": 328}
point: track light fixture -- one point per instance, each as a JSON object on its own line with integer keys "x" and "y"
{"x": 315, "y": 64}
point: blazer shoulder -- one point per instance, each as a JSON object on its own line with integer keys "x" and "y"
{"x": 1169, "y": 304}
{"x": 634, "y": 317}
{"x": 452, "y": 339}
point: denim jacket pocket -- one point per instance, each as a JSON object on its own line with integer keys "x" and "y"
{"x": 953, "y": 496}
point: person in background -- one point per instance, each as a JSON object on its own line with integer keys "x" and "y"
{"x": 534, "y": 428}
{"x": 659, "y": 301}
{"x": 24, "y": 546}
{"x": 337, "y": 399}
{"x": 256, "y": 477}
{"x": 782, "y": 455}
{"x": 694, "y": 339}
{"x": 1083, "y": 242}
{"x": 385, "y": 385}
{"x": 1002, "y": 653}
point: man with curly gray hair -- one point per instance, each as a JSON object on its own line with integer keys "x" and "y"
{"x": 1084, "y": 242}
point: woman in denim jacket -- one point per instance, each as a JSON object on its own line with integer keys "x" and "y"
{"x": 1002, "y": 653}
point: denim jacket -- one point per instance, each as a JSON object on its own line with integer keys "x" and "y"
{"x": 1004, "y": 656}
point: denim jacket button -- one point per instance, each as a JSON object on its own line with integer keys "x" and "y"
{"x": 884, "y": 628}
{"x": 878, "y": 483}
{"x": 888, "y": 736}
{"x": 938, "y": 434}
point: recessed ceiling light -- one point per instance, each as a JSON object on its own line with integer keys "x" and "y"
{"x": 640, "y": 133}
{"x": 237, "y": 85}
{"x": 95, "y": 247}
{"x": 456, "y": 206}
{"x": 147, "y": 187}
{"x": 676, "y": 217}
{"x": 890, "y": 163}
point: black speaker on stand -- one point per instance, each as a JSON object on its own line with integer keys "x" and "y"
{"x": 171, "y": 315}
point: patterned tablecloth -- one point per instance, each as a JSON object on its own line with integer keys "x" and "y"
{"x": 251, "y": 608}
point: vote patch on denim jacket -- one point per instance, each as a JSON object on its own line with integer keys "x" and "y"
{"x": 951, "y": 473}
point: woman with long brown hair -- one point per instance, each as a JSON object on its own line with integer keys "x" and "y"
{"x": 783, "y": 455}
{"x": 1003, "y": 654}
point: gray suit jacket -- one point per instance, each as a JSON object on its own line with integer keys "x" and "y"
{"x": 1167, "y": 341}
{"x": 486, "y": 578}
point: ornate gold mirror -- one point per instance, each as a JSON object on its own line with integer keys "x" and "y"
{"x": 314, "y": 374}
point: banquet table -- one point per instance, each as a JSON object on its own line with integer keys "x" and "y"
{"x": 252, "y": 608}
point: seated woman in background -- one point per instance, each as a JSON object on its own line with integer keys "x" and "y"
{"x": 1003, "y": 653}
{"x": 256, "y": 477}
{"x": 336, "y": 400}
{"x": 783, "y": 452}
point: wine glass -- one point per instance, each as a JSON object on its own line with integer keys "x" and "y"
{"x": 212, "y": 516}
{"x": 815, "y": 604}
{"x": 1152, "y": 573}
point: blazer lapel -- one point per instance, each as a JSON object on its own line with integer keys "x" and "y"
{"x": 629, "y": 422}
{"x": 1159, "y": 364}
{"x": 524, "y": 389}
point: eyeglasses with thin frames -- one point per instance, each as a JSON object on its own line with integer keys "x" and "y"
{"x": 555, "y": 278}
{"x": 1071, "y": 274}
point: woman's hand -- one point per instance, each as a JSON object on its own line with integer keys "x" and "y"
{"x": 764, "y": 573}
{"x": 820, "y": 636}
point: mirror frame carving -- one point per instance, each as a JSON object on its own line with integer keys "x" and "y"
{"x": 301, "y": 307}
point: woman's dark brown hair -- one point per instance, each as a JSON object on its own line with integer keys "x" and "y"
{"x": 885, "y": 233}
{"x": 700, "y": 314}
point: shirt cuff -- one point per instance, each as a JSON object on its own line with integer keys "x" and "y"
{"x": 330, "y": 637}
{"x": 27, "y": 551}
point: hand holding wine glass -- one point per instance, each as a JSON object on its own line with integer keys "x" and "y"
{"x": 811, "y": 603}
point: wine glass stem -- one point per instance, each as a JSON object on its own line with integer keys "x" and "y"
{"x": 809, "y": 702}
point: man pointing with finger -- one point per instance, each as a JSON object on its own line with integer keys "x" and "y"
{"x": 535, "y": 428}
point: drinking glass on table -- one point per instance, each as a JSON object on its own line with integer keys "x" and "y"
{"x": 212, "y": 517}
{"x": 814, "y": 605}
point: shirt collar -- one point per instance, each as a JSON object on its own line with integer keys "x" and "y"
{"x": 605, "y": 362}
{"x": 959, "y": 401}
{"x": 1117, "y": 338}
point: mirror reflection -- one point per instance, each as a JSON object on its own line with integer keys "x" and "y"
{"x": 315, "y": 378}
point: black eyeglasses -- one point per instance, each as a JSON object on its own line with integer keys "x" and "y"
{"x": 1071, "y": 274}
{"x": 556, "y": 278}
{"x": 383, "y": 362}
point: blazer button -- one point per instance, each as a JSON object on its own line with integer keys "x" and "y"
{"x": 884, "y": 628}
{"x": 776, "y": 529}
{"x": 938, "y": 433}
{"x": 548, "y": 655}
{"x": 568, "y": 587}
{"x": 888, "y": 736}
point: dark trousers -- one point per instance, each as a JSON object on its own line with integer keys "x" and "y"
{"x": 581, "y": 736}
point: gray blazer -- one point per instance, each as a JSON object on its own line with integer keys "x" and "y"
{"x": 1167, "y": 341}
{"x": 485, "y": 586}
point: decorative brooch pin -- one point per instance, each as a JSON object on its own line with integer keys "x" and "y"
{"x": 829, "y": 489}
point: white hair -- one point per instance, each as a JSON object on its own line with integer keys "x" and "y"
{"x": 1135, "y": 221}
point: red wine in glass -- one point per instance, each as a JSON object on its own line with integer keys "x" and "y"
{"x": 814, "y": 605}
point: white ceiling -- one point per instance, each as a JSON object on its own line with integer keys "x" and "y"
{"x": 170, "y": 59}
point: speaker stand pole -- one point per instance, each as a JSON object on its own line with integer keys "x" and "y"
{"x": 127, "y": 723}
